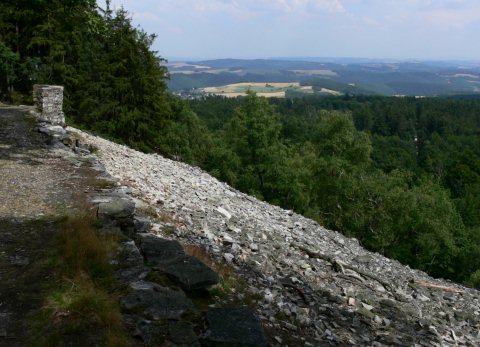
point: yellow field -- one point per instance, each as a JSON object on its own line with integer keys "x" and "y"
{"x": 269, "y": 90}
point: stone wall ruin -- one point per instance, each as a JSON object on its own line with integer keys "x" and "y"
{"x": 48, "y": 101}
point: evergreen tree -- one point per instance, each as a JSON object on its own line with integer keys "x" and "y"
{"x": 8, "y": 71}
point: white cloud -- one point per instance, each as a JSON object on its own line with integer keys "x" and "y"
{"x": 369, "y": 21}
{"x": 303, "y": 5}
{"x": 454, "y": 18}
{"x": 252, "y": 6}
{"x": 331, "y": 5}
{"x": 286, "y": 27}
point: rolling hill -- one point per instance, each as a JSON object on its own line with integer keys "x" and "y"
{"x": 353, "y": 76}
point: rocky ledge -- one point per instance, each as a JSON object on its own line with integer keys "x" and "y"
{"x": 311, "y": 285}
{"x": 158, "y": 280}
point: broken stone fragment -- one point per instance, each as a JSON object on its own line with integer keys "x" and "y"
{"x": 367, "y": 306}
{"x": 254, "y": 247}
{"x": 228, "y": 257}
{"x": 227, "y": 239}
{"x": 224, "y": 212}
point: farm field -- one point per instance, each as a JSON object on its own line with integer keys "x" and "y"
{"x": 345, "y": 76}
{"x": 277, "y": 90}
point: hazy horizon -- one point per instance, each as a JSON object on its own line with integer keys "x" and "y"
{"x": 424, "y": 30}
{"x": 325, "y": 59}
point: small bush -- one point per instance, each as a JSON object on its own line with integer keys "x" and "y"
{"x": 474, "y": 279}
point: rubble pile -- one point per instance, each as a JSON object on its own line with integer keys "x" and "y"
{"x": 315, "y": 285}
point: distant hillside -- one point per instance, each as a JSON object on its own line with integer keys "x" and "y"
{"x": 347, "y": 75}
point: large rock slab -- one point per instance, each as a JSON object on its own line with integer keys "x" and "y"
{"x": 169, "y": 258}
{"x": 156, "y": 302}
{"x": 189, "y": 273}
{"x": 155, "y": 333}
{"x": 236, "y": 327}
{"x": 157, "y": 250}
{"x": 116, "y": 207}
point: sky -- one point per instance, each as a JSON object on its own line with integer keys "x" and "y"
{"x": 393, "y": 29}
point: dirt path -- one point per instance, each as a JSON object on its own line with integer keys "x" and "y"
{"x": 36, "y": 188}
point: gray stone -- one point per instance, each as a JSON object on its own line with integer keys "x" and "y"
{"x": 180, "y": 334}
{"x": 52, "y": 130}
{"x": 116, "y": 207}
{"x": 156, "y": 302}
{"x": 367, "y": 306}
{"x": 81, "y": 151}
{"x": 130, "y": 255}
{"x": 224, "y": 212}
{"x": 228, "y": 257}
{"x": 157, "y": 250}
{"x": 254, "y": 247}
{"x": 143, "y": 285}
{"x": 142, "y": 224}
{"x": 363, "y": 259}
{"x": 129, "y": 274}
{"x": 99, "y": 167}
{"x": 19, "y": 260}
{"x": 239, "y": 327}
{"x": 189, "y": 273}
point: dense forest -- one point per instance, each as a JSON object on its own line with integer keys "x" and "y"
{"x": 400, "y": 174}
{"x": 113, "y": 80}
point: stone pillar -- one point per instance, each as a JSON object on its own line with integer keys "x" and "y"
{"x": 49, "y": 103}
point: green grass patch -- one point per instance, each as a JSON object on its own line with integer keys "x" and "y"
{"x": 83, "y": 303}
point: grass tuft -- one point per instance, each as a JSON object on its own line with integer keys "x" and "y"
{"x": 229, "y": 281}
{"x": 148, "y": 211}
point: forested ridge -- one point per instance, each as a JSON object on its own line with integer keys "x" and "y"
{"x": 400, "y": 174}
